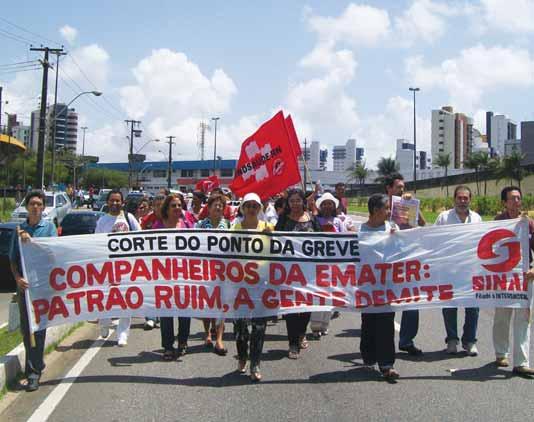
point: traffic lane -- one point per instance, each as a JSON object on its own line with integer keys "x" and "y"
{"x": 327, "y": 383}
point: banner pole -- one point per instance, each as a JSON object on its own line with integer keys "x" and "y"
{"x": 29, "y": 310}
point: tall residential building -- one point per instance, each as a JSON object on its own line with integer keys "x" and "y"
{"x": 22, "y": 133}
{"x": 344, "y": 156}
{"x": 527, "y": 141}
{"x": 65, "y": 126}
{"x": 452, "y": 133}
{"x": 323, "y": 157}
{"x": 404, "y": 158}
{"x": 314, "y": 159}
{"x": 500, "y": 131}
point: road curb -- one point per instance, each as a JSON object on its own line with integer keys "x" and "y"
{"x": 12, "y": 364}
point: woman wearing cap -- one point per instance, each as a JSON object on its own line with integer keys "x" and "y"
{"x": 327, "y": 207}
{"x": 250, "y": 208}
{"x": 214, "y": 220}
{"x": 174, "y": 216}
{"x": 296, "y": 218}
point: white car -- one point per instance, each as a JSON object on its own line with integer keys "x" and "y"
{"x": 57, "y": 206}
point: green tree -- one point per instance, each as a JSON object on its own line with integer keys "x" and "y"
{"x": 359, "y": 172}
{"x": 444, "y": 160}
{"x": 386, "y": 167}
{"x": 510, "y": 168}
{"x": 105, "y": 178}
{"x": 487, "y": 168}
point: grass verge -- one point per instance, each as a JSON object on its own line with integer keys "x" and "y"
{"x": 50, "y": 348}
{"x": 8, "y": 341}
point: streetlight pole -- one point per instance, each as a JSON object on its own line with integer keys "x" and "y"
{"x": 169, "y": 167}
{"x": 414, "y": 90}
{"x": 66, "y": 107}
{"x": 215, "y": 119}
{"x": 84, "y": 128}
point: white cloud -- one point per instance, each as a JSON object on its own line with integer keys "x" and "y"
{"x": 69, "y": 33}
{"x": 424, "y": 20}
{"x": 357, "y": 25}
{"x": 513, "y": 16}
{"x": 95, "y": 63}
{"x": 172, "y": 87}
{"x": 475, "y": 71}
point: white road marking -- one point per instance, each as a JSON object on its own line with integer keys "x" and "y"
{"x": 43, "y": 412}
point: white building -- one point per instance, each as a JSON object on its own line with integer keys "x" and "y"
{"x": 502, "y": 130}
{"x": 314, "y": 162}
{"x": 64, "y": 123}
{"x": 22, "y": 133}
{"x": 344, "y": 156}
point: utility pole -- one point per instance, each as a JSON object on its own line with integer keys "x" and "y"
{"x": 1, "y": 108}
{"x": 132, "y": 124}
{"x": 42, "y": 115}
{"x": 215, "y": 119}
{"x": 169, "y": 168}
{"x": 304, "y": 159}
{"x": 54, "y": 122}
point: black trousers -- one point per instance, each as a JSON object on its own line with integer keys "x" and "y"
{"x": 34, "y": 364}
{"x": 166, "y": 325}
{"x": 256, "y": 338}
{"x": 296, "y": 326}
{"x": 377, "y": 344}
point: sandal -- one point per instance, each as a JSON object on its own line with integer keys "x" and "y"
{"x": 168, "y": 355}
{"x": 208, "y": 343}
{"x": 390, "y": 374}
{"x": 255, "y": 374}
{"x": 242, "y": 366}
{"x": 293, "y": 353}
{"x": 303, "y": 344}
{"x": 182, "y": 349}
{"x": 220, "y": 351}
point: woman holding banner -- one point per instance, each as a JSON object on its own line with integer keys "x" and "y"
{"x": 216, "y": 205}
{"x": 250, "y": 209}
{"x": 174, "y": 216}
{"x": 296, "y": 218}
{"x": 377, "y": 343}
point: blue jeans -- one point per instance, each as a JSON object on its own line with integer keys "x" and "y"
{"x": 408, "y": 329}
{"x": 450, "y": 316}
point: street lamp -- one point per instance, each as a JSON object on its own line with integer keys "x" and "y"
{"x": 414, "y": 90}
{"x": 145, "y": 144}
{"x": 215, "y": 119}
{"x": 40, "y": 157}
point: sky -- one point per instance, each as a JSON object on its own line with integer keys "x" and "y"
{"x": 341, "y": 69}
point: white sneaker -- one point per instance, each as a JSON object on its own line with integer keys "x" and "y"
{"x": 122, "y": 341}
{"x": 149, "y": 325}
{"x": 104, "y": 331}
{"x": 452, "y": 347}
{"x": 471, "y": 349}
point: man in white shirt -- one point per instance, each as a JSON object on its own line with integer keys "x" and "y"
{"x": 460, "y": 214}
{"x": 116, "y": 220}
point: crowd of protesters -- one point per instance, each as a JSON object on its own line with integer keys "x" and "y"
{"x": 293, "y": 211}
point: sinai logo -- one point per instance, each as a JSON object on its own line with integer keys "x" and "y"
{"x": 509, "y": 260}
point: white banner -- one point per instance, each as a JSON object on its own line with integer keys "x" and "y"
{"x": 215, "y": 273}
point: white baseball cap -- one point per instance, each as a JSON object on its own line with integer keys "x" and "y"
{"x": 251, "y": 196}
{"x": 327, "y": 197}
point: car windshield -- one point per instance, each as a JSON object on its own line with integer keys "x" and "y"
{"x": 79, "y": 219}
{"x": 49, "y": 201}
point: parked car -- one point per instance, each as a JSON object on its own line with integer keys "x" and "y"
{"x": 79, "y": 222}
{"x": 100, "y": 199}
{"x": 8, "y": 243}
{"x": 57, "y": 206}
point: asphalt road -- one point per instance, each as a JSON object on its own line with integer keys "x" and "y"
{"x": 328, "y": 382}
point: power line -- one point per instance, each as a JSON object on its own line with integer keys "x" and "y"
{"x": 6, "y": 35}
{"x": 94, "y": 86}
{"x": 20, "y": 70}
{"x": 19, "y": 63}
{"x": 28, "y": 31}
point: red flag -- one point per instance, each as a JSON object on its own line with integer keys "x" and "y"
{"x": 207, "y": 185}
{"x": 267, "y": 164}
{"x": 293, "y": 136}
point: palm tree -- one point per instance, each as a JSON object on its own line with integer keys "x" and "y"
{"x": 486, "y": 166}
{"x": 510, "y": 168}
{"x": 444, "y": 160}
{"x": 359, "y": 172}
{"x": 473, "y": 163}
{"x": 386, "y": 167}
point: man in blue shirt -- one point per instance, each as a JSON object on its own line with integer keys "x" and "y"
{"x": 34, "y": 226}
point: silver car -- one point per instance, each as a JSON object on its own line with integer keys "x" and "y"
{"x": 57, "y": 206}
